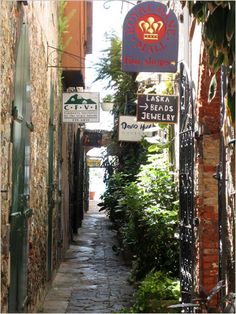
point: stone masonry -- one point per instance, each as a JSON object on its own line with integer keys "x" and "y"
{"x": 206, "y": 189}
{"x": 92, "y": 278}
{"x": 8, "y": 35}
{"x": 39, "y": 16}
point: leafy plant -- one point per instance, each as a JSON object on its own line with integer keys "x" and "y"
{"x": 218, "y": 19}
{"x": 144, "y": 210}
{"x": 140, "y": 197}
{"x": 109, "y": 68}
{"x": 152, "y": 215}
{"x": 115, "y": 191}
{"x": 155, "y": 293}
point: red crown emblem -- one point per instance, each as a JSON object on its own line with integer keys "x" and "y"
{"x": 150, "y": 28}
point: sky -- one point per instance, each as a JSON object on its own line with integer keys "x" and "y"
{"x": 107, "y": 17}
{"x": 105, "y": 20}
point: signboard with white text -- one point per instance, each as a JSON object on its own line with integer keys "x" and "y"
{"x": 157, "y": 108}
{"x": 130, "y": 130}
{"x": 80, "y": 107}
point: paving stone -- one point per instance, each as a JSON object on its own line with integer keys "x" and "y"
{"x": 92, "y": 278}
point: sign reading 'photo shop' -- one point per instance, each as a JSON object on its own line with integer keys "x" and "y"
{"x": 130, "y": 130}
{"x": 156, "y": 108}
{"x": 150, "y": 39}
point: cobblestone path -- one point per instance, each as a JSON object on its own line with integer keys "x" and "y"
{"x": 92, "y": 278}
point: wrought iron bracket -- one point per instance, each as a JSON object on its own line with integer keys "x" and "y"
{"x": 53, "y": 58}
{"x": 106, "y": 3}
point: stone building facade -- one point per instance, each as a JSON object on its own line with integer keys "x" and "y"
{"x": 35, "y": 152}
{"x": 30, "y": 99}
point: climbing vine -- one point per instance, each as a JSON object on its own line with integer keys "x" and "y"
{"x": 218, "y": 34}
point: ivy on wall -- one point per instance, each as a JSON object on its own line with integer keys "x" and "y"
{"x": 218, "y": 20}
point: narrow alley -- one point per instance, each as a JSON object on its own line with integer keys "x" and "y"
{"x": 92, "y": 278}
{"x": 130, "y": 104}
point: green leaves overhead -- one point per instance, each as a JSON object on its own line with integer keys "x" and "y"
{"x": 215, "y": 28}
{"x": 218, "y": 19}
{"x": 230, "y": 24}
{"x": 109, "y": 70}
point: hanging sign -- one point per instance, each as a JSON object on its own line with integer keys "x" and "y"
{"x": 80, "y": 107}
{"x": 150, "y": 39}
{"x": 92, "y": 139}
{"x": 94, "y": 163}
{"x": 157, "y": 108}
{"x": 130, "y": 130}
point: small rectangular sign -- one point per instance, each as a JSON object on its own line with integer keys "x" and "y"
{"x": 80, "y": 107}
{"x": 157, "y": 108}
{"x": 94, "y": 163}
{"x": 130, "y": 130}
{"x": 92, "y": 139}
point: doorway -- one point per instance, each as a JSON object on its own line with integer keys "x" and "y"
{"x": 20, "y": 212}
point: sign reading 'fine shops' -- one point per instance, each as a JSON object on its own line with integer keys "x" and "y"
{"x": 150, "y": 39}
{"x": 156, "y": 108}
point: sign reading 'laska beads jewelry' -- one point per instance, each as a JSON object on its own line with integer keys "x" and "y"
{"x": 157, "y": 108}
{"x": 150, "y": 39}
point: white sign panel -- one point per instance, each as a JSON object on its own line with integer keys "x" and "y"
{"x": 81, "y": 107}
{"x": 130, "y": 130}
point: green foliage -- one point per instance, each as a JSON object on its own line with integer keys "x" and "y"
{"x": 109, "y": 68}
{"x": 155, "y": 293}
{"x": 140, "y": 197}
{"x": 115, "y": 191}
{"x": 108, "y": 98}
{"x": 152, "y": 215}
{"x": 144, "y": 210}
{"x": 218, "y": 19}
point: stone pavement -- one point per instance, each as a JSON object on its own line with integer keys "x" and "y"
{"x": 92, "y": 278}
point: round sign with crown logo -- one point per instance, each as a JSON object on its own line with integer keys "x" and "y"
{"x": 150, "y": 39}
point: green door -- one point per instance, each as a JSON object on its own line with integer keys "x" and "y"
{"x": 20, "y": 178}
{"x": 50, "y": 181}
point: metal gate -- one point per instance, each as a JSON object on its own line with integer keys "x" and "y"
{"x": 186, "y": 184}
{"x": 20, "y": 178}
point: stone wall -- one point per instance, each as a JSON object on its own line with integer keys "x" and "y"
{"x": 8, "y": 40}
{"x": 40, "y": 16}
